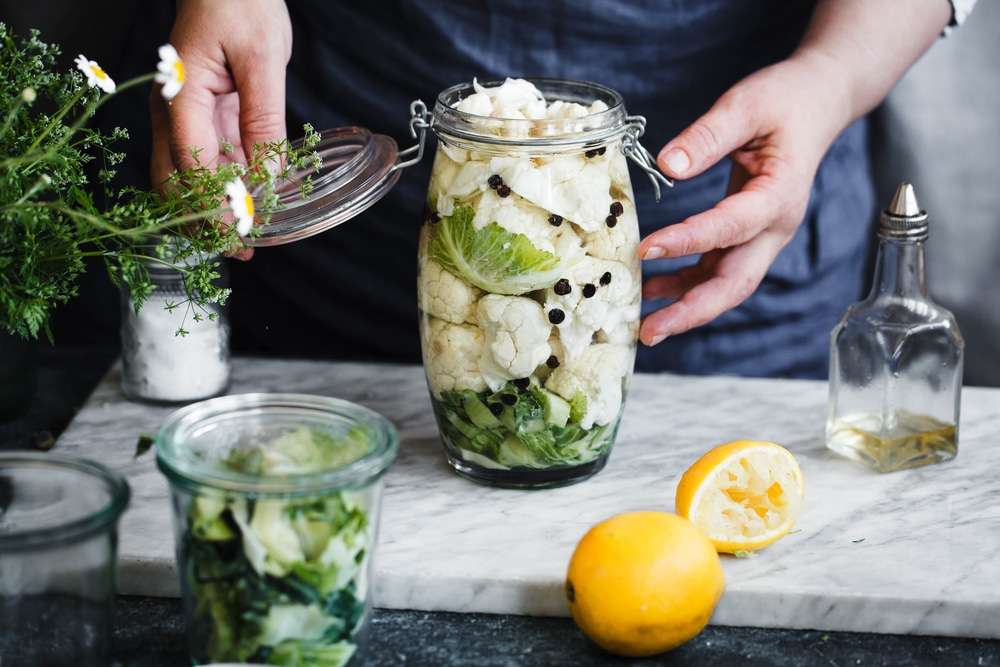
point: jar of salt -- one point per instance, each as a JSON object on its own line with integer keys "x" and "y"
{"x": 173, "y": 352}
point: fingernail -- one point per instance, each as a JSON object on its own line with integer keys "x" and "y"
{"x": 657, "y": 339}
{"x": 655, "y": 252}
{"x": 677, "y": 160}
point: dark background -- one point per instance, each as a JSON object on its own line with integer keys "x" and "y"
{"x": 939, "y": 129}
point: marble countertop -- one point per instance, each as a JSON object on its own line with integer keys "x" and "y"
{"x": 910, "y": 552}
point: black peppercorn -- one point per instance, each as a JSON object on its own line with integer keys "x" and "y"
{"x": 611, "y": 221}
{"x": 562, "y": 287}
{"x": 522, "y": 383}
{"x": 509, "y": 399}
{"x": 555, "y": 220}
{"x": 589, "y": 290}
{"x": 496, "y": 409}
{"x": 606, "y": 278}
{"x": 552, "y": 362}
{"x": 616, "y": 208}
{"x": 503, "y": 190}
{"x": 495, "y": 181}
{"x": 556, "y": 316}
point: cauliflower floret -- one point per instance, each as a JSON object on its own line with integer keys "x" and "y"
{"x": 573, "y": 336}
{"x": 517, "y": 335}
{"x": 593, "y": 382}
{"x": 444, "y": 172}
{"x": 621, "y": 184}
{"x": 459, "y": 155}
{"x": 511, "y": 94}
{"x": 518, "y": 216}
{"x": 569, "y": 186}
{"x": 477, "y": 104}
{"x": 447, "y": 296}
{"x": 626, "y": 331}
{"x": 619, "y": 243}
{"x": 562, "y": 109}
{"x": 471, "y": 179}
{"x": 554, "y": 359}
{"x": 596, "y": 294}
{"x": 451, "y": 356}
{"x": 535, "y": 110}
{"x": 508, "y": 113}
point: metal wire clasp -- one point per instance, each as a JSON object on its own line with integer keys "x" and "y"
{"x": 420, "y": 121}
{"x": 635, "y": 126}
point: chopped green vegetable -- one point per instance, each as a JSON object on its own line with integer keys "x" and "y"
{"x": 280, "y": 581}
{"x": 492, "y": 258}
{"x": 298, "y": 452}
{"x": 529, "y": 427}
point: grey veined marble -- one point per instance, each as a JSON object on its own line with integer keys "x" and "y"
{"x": 908, "y": 552}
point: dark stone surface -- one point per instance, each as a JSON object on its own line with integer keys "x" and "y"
{"x": 149, "y": 632}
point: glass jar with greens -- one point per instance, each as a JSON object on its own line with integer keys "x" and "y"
{"x": 529, "y": 282}
{"x": 276, "y": 503}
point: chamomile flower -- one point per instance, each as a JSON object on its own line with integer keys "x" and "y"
{"x": 242, "y": 205}
{"x": 96, "y": 77}
{"x": 169, "y": 72}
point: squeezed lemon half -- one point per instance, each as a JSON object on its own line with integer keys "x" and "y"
{"x": 745, "y": 495}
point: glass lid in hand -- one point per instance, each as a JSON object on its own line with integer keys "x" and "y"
{"x": 358, "y": 168}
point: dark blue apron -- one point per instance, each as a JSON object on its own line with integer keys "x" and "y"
{"x": 350, "y": 292}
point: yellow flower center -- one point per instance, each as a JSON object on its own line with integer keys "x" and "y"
{"x": 249, "y": 202}
{"x": 98, "y": 72}
{"x": 179, "y": 71}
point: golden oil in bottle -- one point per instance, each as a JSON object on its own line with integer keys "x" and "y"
{"x": 910, "y": 440}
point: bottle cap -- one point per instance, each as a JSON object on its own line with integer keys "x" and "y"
{"x": 903, "y": 218}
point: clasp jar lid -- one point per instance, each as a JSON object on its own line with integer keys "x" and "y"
{"x": 358, "y": 169}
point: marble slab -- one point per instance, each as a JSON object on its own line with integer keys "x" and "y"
{"x": 909, "y": 552}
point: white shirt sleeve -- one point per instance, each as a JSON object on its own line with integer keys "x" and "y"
{"x": 960, "y": 10}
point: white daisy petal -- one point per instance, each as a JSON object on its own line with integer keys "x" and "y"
{"x": 96, "y": 77}
{"x": 241, "y": 204}
{"x": 169, "y": 72}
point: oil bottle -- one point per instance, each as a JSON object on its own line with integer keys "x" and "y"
{"x": 896, "y": 357}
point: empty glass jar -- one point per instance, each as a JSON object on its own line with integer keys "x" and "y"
{"x": 58, "y": 558}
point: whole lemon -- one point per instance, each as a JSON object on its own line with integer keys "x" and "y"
{"x": 642, "y": 583}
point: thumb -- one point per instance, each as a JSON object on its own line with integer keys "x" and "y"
{"x": 719, "y": 132}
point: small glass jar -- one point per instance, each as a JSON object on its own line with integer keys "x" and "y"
{"x": 58, "y": 557}
{"x": 276, "y": 504}
{"x": 529, "y": 283}
{"x": 172, "y": 352}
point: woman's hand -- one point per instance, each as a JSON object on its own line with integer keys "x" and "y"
{"x": 775, "y": 126}
{"x": 235, "y": 53}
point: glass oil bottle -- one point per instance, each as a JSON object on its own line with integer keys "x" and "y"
{"x": 896, "y": 358}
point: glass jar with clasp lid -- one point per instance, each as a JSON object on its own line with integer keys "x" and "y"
{"x": 529, "y": 281}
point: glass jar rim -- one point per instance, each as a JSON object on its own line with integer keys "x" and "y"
{"x": 597, "y": 128}
{"x": 185, "y": 468}
{"x": 77, "y": 529}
